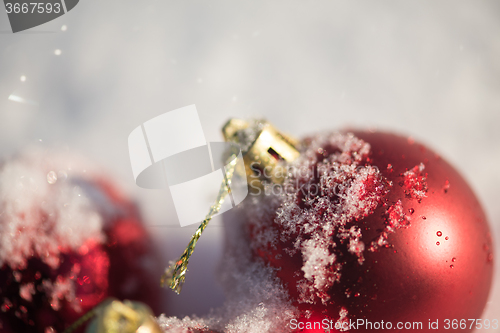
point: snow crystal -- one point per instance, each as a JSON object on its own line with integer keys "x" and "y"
{"x": 176, "y": 325}
{"x": 62, "y": 289}
{"x": 356, "y": 246}
{"x": 343, "y": 321}
{"x": 396, "y": 219}
{"x": 415, "y": 185}
{"x": 316, "y": 257}
{"x": 27, "y": 290}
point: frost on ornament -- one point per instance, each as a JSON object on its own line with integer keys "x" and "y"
{"x": 40, "y": 218}
{"x": 58, "y": 222}
{"x": 414, "y": 182}
{"x": 43, "y": 218}
{"x": 329, "y": 187}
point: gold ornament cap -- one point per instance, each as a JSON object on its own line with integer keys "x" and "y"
{"x": 264, "y": 149}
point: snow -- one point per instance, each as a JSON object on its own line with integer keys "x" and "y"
{"x": 329, "y": 186}
{"x": 39, "y": 217}
{"x": 426, "y": 69}
{"x": 415, "y": 182}
{"x": 48, "y": 206}
{"x": 255, "y": 299}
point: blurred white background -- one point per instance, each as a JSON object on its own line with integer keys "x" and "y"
{"x": 426, "y": 69}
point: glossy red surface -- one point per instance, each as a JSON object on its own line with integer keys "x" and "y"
{"x": 438, "y": 267}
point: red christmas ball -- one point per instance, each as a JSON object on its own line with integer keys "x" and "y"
{"x": 68, "y": 240}
{"x": 376, "y": 229}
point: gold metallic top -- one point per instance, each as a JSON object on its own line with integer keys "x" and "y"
{"x": 265, "y": 150}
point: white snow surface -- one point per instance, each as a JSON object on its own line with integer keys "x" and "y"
{"x": 255, "y": 299}
{"x": 425, "y": 69}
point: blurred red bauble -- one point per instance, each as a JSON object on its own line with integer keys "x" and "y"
{"x": 68, "y": 240}
{"x": 376, "y": 227}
